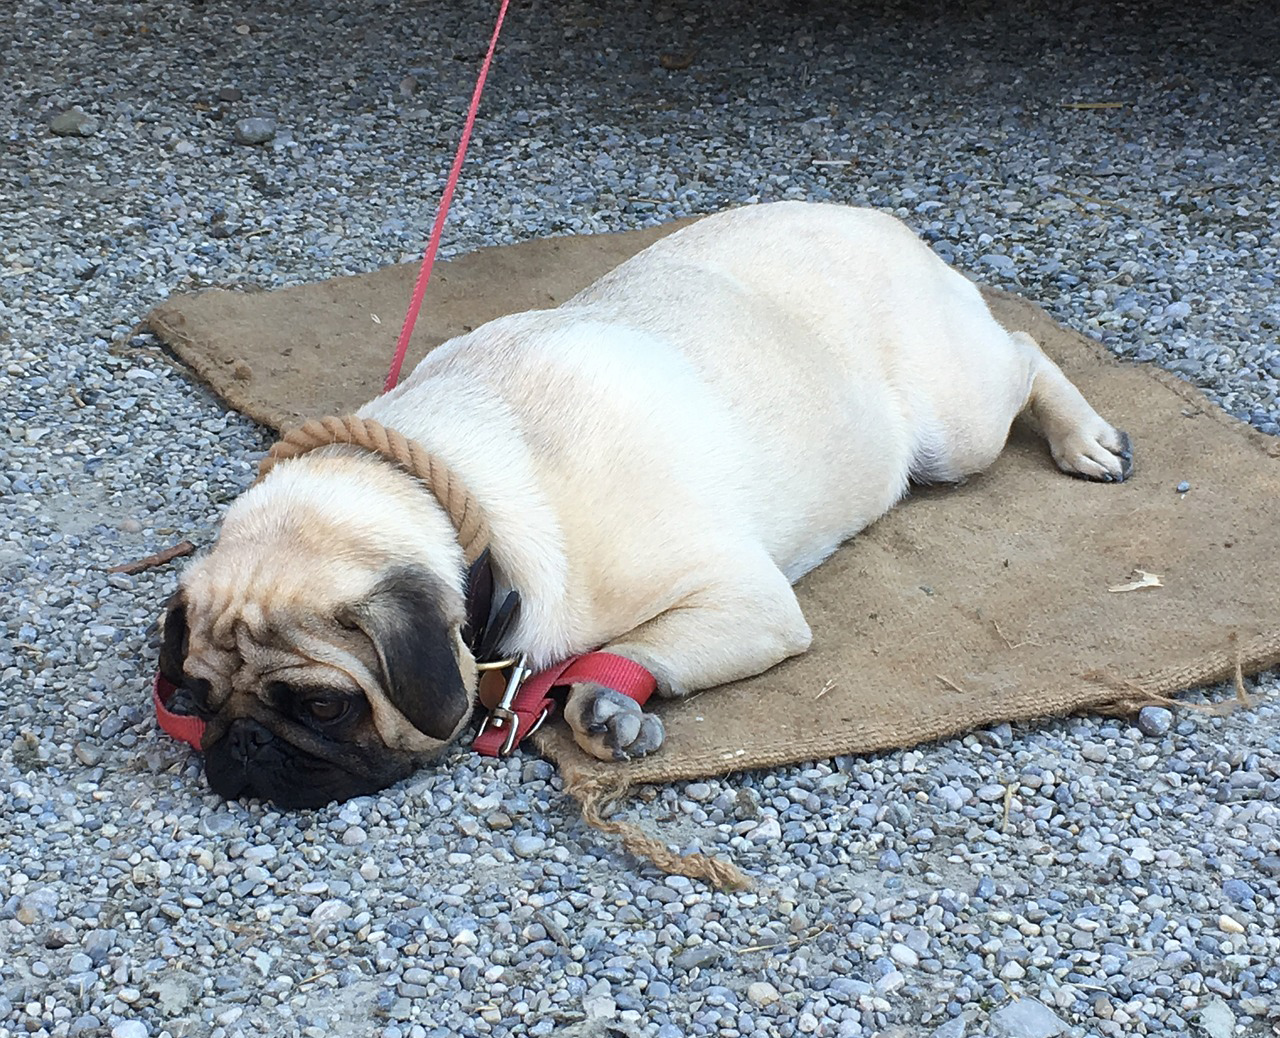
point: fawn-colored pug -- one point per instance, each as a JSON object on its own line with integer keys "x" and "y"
{"x": 659, "y": 459}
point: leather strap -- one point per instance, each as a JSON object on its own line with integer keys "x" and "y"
{"x": 533, "y": 702}
{"x": 186, "y": 727}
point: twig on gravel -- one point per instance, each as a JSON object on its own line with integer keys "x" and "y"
{"x": 831, "y": 683}
{"x": 1088, "y": 105}
{"x": 790, "y": 943}
{"x": 1095, "y": 199}
{"x": 152, "y": 561}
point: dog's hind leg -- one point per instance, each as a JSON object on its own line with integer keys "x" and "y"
{"x": 1081, "y": 441}
{"x": 722, "y": 633}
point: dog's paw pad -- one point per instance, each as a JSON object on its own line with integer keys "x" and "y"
{"x": 609, "y": 725}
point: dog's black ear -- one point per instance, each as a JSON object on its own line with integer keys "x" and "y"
{"x": 403, "y": 619}
{"x": 173, "y": 645}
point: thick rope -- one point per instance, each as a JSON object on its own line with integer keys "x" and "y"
{"x": 595, "y": 798}
{"x": 461, "y": 506}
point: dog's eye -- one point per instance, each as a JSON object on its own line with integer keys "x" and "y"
{"x": 326, "y": 710}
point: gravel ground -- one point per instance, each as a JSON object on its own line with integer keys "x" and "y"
{"x": 1134, "y": 888}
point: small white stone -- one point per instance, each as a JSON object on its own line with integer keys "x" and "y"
{"x": 904, "y": 956}
{"x": 331, "y": 911}
{"x": 762, "y": 993}
{"x": 1228, "y": 925}
{"x": 766, "y": 832}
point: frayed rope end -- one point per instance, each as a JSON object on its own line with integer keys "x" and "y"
{"x": 595, "y": 799}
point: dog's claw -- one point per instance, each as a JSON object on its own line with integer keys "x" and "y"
{"x": 1126, "y": 456}
{"x": 611, "y": 726}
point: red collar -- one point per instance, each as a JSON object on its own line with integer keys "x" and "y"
{"x": 504, "y": 728}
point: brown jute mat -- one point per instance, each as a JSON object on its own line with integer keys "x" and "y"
{"x": 994, "y": 601}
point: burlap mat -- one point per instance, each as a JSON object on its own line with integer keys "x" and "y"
{"x": 967, "y": 606}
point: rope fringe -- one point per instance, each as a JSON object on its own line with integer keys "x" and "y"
{"x": 463, "y": 509}
{"x": 597, "y": 798}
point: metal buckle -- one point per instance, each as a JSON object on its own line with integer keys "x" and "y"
{"x": 502, "y": 714}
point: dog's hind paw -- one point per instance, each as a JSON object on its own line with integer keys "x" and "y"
{"x": 609, "y": 725}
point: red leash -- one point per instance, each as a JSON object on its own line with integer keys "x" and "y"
{"x": 433, "y": 245}
{"x": 501, "y": 731}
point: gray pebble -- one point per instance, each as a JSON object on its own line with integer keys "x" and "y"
{"x": 1238, "y": 891}
{"x": 1217, "y": 1020}
{"x": 74, "y": 122}
{"x": 904, "y": 956}
{"x": 97, "y": 945}
{"x": 254, "y": 130}
{"x": 953, "y": 1028}
{"x": 1155, "y": 721}
{"x": 697, "y": 957}
{"x": 331, "y": 911}
{"x": 528, "y": 846}
{"x": 1026, "y": 1018}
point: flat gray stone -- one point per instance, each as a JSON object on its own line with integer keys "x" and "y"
{"x": 1217, "y": 1020}
{"x": 953, "y": 1028}
{"x": 1026, "y": 1018}
{"x": 254, "y": 130}
{"x": 74, "y": 122}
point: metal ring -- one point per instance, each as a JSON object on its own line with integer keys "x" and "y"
{"x": 496, "y": 664}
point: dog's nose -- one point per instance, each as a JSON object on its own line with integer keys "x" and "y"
{"x": 247, "y": 738}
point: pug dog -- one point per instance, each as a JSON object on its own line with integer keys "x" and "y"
{"x": 658, "y": 459}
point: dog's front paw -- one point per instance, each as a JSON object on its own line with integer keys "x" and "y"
{"x": 1102, "y": 454}
{"x": 609, "y": 725}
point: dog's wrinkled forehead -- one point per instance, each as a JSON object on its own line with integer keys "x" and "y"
{"x": 248, "y": 623}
